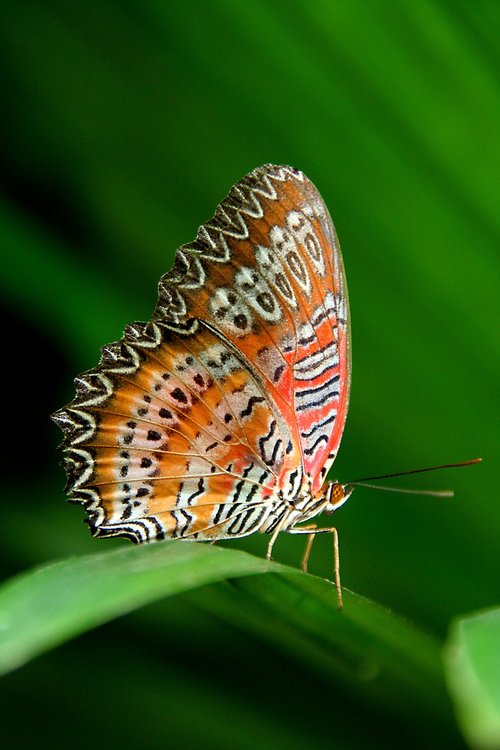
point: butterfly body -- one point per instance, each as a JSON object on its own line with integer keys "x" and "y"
{"x": 222, "y": 415}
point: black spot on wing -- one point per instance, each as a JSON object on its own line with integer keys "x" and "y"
{"x": 179, "y": 395}
{"x": 199, "y": 491}
{"x": 251, "y": 403}
{"x": 262, "y": 445}
{"x": 321, "y": 439}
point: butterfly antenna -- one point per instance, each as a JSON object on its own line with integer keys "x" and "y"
{"x": 404, "y": 490}
{"x": 363, "y": 481}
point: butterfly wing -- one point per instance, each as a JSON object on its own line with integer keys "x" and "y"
{"x": 199, "y": 423}
{"x": 267, "y": 271}
{"x": 322, "y": 358}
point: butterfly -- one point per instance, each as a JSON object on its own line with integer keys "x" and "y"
{"x": 222, "y": 415}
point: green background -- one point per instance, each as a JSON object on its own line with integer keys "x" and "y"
{"x": 125, "y": 124}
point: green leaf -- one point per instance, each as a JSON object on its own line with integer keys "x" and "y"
{"x": 386, "y": 660}
{"x": 52, "y": 603}
{"x": 365, "y": 645}
{"x": 472, "y": 659}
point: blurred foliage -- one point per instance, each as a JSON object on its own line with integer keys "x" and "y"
{"x": 472, "y": 660}
{"x": 124, "y": 124}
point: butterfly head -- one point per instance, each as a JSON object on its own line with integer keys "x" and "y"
{"x": 336, "y": 495}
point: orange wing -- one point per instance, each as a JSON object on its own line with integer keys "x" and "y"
{"x": 205, "y": 422}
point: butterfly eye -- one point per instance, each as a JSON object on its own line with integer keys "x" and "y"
{"x": 337, "y": 494}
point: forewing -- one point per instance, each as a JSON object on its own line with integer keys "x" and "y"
{"x": 267, "y": 271}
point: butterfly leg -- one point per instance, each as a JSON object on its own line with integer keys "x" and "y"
{"x": 280, "y": 527}
{"x": 311, "y": 530}
{"x": 272, "y": 541}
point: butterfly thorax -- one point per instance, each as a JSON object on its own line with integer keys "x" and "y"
{"x": 305, "y": 504}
